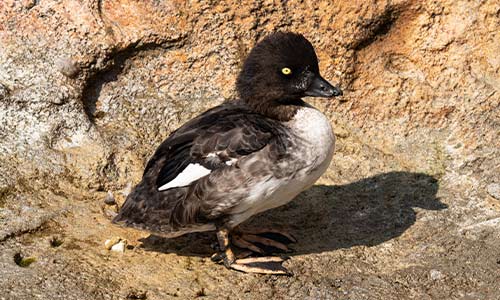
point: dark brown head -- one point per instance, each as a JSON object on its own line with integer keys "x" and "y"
{"x": 278, "y": 72}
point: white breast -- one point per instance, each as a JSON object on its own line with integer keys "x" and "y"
{"x": 313, "y": 145}
{"x": 314, "y": 135}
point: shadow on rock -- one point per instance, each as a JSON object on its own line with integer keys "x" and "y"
{"x": 324, "y": 218}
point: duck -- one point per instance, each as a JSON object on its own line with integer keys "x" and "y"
{"x": 242, "y": 157}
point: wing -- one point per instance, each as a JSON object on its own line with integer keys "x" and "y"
{"x": 217, "y": 139}
{"x": 191, "y": 173}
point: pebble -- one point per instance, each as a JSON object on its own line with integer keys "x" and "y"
{"x": 120, "y": 247}
{"x": 116, "y": 244}
{"x": 436, "y": 275}
{"x": 110, "y": 199}
{"x": 67, "y": 67}
{"x": 494, "y": 190}
{"x": 110, "y": 242}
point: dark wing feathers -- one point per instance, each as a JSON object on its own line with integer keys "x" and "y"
{"x": 231, "y": 131}
{"x": 226, "y": 133}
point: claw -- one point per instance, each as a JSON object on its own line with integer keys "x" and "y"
{"x": 216, "y": 257}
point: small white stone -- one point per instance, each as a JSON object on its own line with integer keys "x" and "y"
{"x": 436, "y": 275}
{"x": 120, "y": 247}
{"x": 110, "y": 199}
{"x": 494, "y": 190}
{"x": 67, "y": 67}
{"x": 108, "y": 244}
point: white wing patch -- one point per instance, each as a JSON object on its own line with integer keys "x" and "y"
{"x": 191, "y": 173}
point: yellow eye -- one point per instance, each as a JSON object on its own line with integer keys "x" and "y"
{"x": 286, "y": 71}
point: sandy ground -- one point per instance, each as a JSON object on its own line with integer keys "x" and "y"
{"x": 395, "y": 234}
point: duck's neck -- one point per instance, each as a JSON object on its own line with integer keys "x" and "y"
{"x": 283, "y": 109}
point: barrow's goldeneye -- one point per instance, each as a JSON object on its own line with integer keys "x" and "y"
{"x": 242, "y": 157}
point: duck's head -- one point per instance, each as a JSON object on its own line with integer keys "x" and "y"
{"x": 278, "y": 72}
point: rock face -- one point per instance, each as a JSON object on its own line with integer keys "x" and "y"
{"x": 88, "y": 89}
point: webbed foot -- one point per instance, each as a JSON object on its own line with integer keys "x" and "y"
{"x": 263, "y": 241}
{"x": 261, "y": 265}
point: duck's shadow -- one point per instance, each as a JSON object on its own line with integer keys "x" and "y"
{"x": 324, "y": 218}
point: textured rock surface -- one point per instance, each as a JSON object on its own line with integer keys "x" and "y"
{"x": 408, "y": 209}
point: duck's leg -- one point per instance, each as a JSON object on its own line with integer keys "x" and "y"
{"x": 261, "y": 265}
{"x": 263, "y": 240}
{"x": 226, "y": 253}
